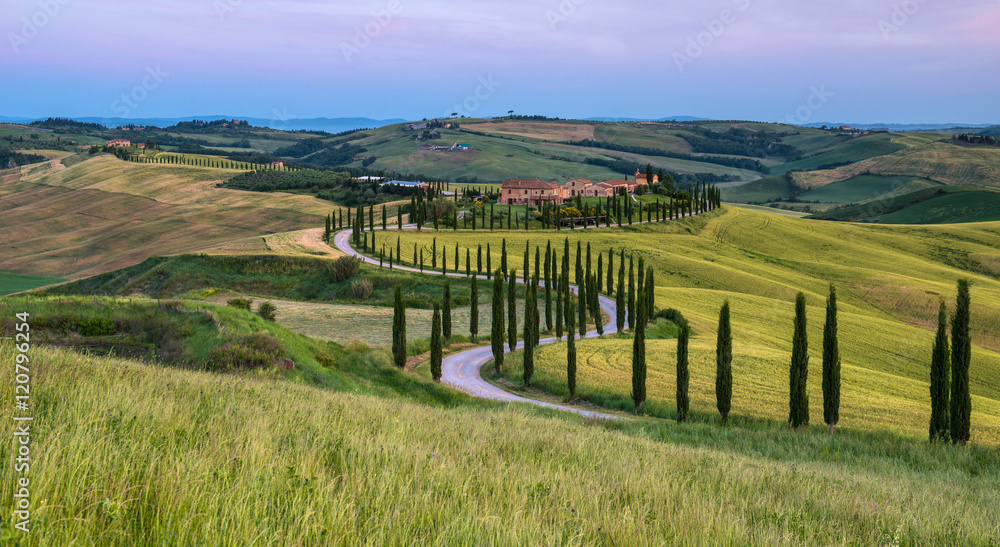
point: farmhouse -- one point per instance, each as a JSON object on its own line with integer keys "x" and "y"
{"x": 577, "y": 187}
{"x": 531, "y": 192}
{"x": 116, "y": 143}
{"x": 276, "y": 164}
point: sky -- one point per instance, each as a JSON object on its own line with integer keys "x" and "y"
{"x": 800, "y": 61}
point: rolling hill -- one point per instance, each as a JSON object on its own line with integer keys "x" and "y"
{"x": 101, "y": 214}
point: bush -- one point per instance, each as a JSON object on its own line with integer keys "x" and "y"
{"x": 672, "y": 315}
{"x": 344, "y": 268}
{"x": 247, "y": 352}
{"x": 240, "y": 303}
{"x": 97, "y": 327}
{"x": 267, "y": 310}
{"x": 362, "y": 289}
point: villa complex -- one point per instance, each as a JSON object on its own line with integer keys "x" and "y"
{"x": 538, "y": 192}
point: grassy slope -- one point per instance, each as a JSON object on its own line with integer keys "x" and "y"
{"x": 889, "y": 281}
{"x": 952, "y": 207}
{"x": 12, "y": 283}
{"x": 102, "y": 213}
{"x": 126, "y": 454}
{"x": 864, "y": 187}
{"x": 853, "y": 150}
{"x": 942, "y": 162}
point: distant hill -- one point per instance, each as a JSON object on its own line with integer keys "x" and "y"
{"x": 667, "y": 119}
{"x": 944, "y": 127}
{"x": 331, "y": 125}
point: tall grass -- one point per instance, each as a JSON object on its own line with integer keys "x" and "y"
{"x": 129, "y": 454}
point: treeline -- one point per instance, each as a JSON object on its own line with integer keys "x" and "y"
{"x": 740, "y": 142}
{"x": 311, "y": 146}
{"x": 739, "y": 163}
{"x": 65, "y": 125}
{"x": 10, "y": 158}
{"x": 340, "y": 187}
{"x": 629, "y": 167}
{"x": 976, "y": 139}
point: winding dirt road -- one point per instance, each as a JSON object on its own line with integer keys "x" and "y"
{"x": 462, "y": 370}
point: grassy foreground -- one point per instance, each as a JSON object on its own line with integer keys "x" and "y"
{"x": 130, "y": 454}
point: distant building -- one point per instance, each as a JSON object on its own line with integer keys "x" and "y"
{"x": 371, "y": 178}
{"x": 846, "y": 128}
{"x": 139, "y": 145}
{"x": 640, "y": 178}
{"x": 463, "y": 147}
{"x": 577, "y": 187}
{"x": 531, "y": 192}
{"x": 118, "y": 143}
{"x": 276, "y": 164}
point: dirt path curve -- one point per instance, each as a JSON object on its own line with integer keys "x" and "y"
{"x": 462, "y": 370}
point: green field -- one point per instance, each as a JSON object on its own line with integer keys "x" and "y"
{"x": 849, "y": 151}
{"x": 12, "y": 283}
{"x": 952, "y": 207}
{"x": 863, "y": 188}
{"x": 933, "y": 205}
{"x": 889, "y": 281}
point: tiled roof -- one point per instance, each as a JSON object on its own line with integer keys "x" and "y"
{"x": 527, "y": 184}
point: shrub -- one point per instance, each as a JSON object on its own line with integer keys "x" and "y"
{"x": 240, "y": 303}
{"x": 267, "y": 310}
{"x": 362, "y": 289}
{"x": 246, "y": 352}
{"x": 344, "y": 268}
{"x": 96, "y": 327}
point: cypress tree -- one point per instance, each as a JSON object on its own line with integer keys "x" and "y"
{"x": 529, "y": 335}
{"x": 398, "y": 329}
{"x": 639, "y": 360}
{"x": 444, "y": 262}
{"x": 474, "y": 311}
{"x": 421, "y": 260}
{"x": 570, "y": 353}
{"x": 581, "y": 304}
{"x": 457, "y": 259}
{"x": 548, "y": 286}
{"x": 631, "y": 294}
{"x": 940, "y": 363}
{"x": 650, "y": 293}
{"x": 538, "y": 269}
{"x": 527, "y": 261}
{"x": 385, "y": 217}
{"x": 415, "y": 263}
{"x": 512, "y": 311}
{"x": 436, "y": 344}
{"x": 798, "y": 401}
{"x": 559, "y": 308}
{"x": 724, "y": 364}
{"x": 683, "y": 375}
{"x": 496, "y": 334}
{"x": 446, "y": 310}
{"x": 611, "y": 272}
{"x": 468, "y": 262}
{"x": 489, "y": 261}
{"x": 831, "y": 364}
{"x": 399, "y": 251}
{"x": 600, "y": 272}
{"x": 961, "y": 356}
{"x": 503, "y": 257}
{"x": 479, "y": 260}
{"x": 620, "y": 298}
{"x": 434, "y": 253}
